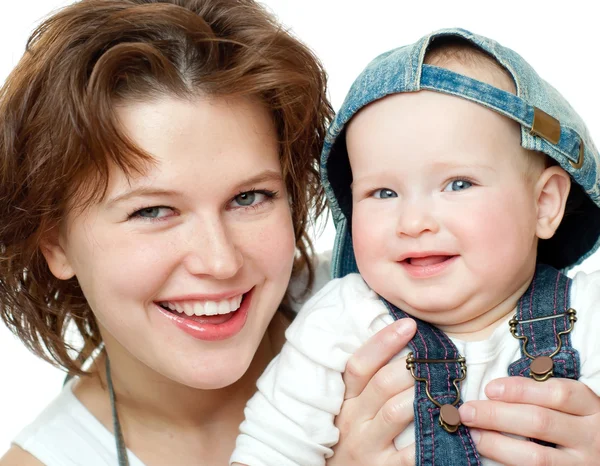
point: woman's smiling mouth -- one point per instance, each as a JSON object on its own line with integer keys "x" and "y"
{"x": 208, "y": 320}
{"x": 203, "y": 308}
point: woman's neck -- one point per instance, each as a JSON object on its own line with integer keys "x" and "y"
{"x": 154, "y": 410}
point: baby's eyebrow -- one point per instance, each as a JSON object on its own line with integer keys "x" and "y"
{"x": 463, "y": 166}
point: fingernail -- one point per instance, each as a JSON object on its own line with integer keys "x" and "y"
{"x": 475, "y": 435}
{"x": 495, "y": 390}
{"x": 405, "y": 326}
{"x": 467, "y": 413}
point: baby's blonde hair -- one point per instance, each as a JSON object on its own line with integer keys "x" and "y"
{"x": 450, "y": 51}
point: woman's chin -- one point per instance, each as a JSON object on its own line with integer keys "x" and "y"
{"x": 214, "y": 376}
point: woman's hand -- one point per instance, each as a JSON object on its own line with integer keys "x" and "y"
{"x": 561, "y": 411}
{"x": 378, "y": 403}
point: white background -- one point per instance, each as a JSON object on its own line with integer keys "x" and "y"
{"x": 556, "y": 37}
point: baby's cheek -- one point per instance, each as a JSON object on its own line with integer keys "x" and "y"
{"x": 501, "y": 231}
{"x": 372, "y": 231}
{"x": 367, "y": 243}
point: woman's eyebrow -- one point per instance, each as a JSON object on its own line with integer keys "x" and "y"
{"x": 266, "y": 175}
{"x": 149, "y": 191}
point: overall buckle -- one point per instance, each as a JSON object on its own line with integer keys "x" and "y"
{"x": 449, "y": 417}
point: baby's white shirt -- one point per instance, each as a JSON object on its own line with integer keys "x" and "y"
{"x": 290, "y": 420}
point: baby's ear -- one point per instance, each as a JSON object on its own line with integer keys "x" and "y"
{"x": 55, "y": 255}
{"x": 552, "y": 190}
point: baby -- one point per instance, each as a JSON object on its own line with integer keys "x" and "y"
{"x": 449, "y": 169}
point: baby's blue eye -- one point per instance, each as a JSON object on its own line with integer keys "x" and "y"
{"x": 458, "y": 185}
{"x": 384, "y": 194}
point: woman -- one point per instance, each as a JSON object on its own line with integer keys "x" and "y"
{"x": 158, "y": 169}
{"x": 157, "y": 178}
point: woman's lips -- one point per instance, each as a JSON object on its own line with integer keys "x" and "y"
{"x": 211, "y": 328}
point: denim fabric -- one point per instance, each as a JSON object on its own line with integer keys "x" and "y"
{"x": 402, "y": 70}
{"x": 434, "y": 446}
{"x": 548, "y": 295}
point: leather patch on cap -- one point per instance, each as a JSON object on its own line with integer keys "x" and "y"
{"x": 545, "y": 126}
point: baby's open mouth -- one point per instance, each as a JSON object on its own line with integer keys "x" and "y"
{"x": 427, "y": 260}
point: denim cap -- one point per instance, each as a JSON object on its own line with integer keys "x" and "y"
{"x": 548, "y": 124}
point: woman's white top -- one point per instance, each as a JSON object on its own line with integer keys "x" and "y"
{"x": 67, "y": 434}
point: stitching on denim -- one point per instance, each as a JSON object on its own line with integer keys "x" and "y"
{"x": 472, "y": 447}
{"x": 426, "y": 356}
{"x": 531, "y": 311}
{"x": 468, "y": 451}
{"x": 556, "y": 337}
{"x": 567, "y": 298}
{"x": 421, "y": 435}
{"x": 413, "y": 346}
{"x": 445, "y": 357}
{"x": 462, "y": 440}
{"x": 432, "y": 437}
{"x": 573, "y": 354}
{"x": 455, "y": 352}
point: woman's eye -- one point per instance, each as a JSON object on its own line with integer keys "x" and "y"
{"x": 152, "y": 213}
{"x": 384, "y": 194}
{"x": 458, "y": 185}
{"x": 251, "y": 198}
{"x": 245, "y": 199}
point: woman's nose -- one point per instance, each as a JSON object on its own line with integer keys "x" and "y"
{"x": 212, "y": 251}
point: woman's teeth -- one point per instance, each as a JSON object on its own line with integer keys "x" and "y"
{"x": 204, "y": 308}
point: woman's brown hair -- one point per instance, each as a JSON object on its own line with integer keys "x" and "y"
{"x": 59, "y": 134}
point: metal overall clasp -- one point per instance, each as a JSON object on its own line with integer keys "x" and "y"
{"x": 542, "y": 367}
{"x": 449, "y": 417}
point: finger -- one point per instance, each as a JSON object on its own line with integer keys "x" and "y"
{"x": 514, "y": 452}
{"x": 403, "y": 457}
{"x": 565, "y": 395}
{"x": 389, "y": 381}
{"x": 524, "y": 420}
{"x": 392, "y": 419}
{"x": 375, "y": 353}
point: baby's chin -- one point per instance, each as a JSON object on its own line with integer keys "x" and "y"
{"x": 459, "y": 323}
{"x": 440, "y": 312}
